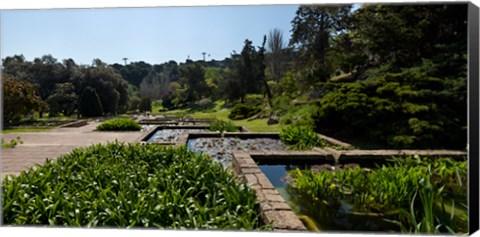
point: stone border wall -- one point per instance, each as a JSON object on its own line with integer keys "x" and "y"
{"x": 348, "y": 156}
{"x": 75, "y": 124}
{"x": 272, "y": 207}
{"x": 183, "y": 139}
{"x": 333, "y": 141}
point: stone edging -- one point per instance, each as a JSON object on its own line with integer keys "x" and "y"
{"x": 272, "y": 207}
{"x": 334, "y": 141}
{"x": 75, "y": 124}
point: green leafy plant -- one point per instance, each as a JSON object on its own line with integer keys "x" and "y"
{"x": 130, "y": 185}
{"x": 301, "y": 138}
{"x": 220, "y": 125}
{"x": 413, "y": 189}
{"x": 119, "y": 124}
{"x": 242, "y": 111}
{"x": 12, "y": 143}
{"x": 424, "y": 216}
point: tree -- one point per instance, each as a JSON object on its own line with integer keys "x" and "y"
{"x": 411, "y": 92}
{"x": 63, "y": 100}
{"x": 248, "y": 71}
{"x": 17, "y": 67}
{"x": 260, "y": 70}
{"x": 404, "y": 34}
{"x": 134, "y": 72}
{"x": 275, "y": 58}
{"x": 89, "y": 104}
{"x": 19, "y": 98}
{"x": 110, "y": 86}
{"x": 145, "y": 105}
{"x": 312, "y": 29}
{"x": 193, "y": 78}
{"x": 135, "y": 103}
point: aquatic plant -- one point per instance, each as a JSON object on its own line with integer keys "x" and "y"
{"x": 301, "y": 138}
{"x": 220, "y": 125}
{"x": 414, "y": 188}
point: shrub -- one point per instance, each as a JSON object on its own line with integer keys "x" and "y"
{"x": 241, "y": 111}
{"x": 167, "y": 102}
{"x": 301, "y": 138}
{"x": 415, "y": 107}
{"x": 130, "y": 185}
{"x": 300, "y": 116}
{"x": 220, "y": 125}
{"x": 254, "y": 99}
{"x": 120, "y": 124}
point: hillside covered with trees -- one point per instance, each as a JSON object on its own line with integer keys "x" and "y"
{"x": 386, "y": 75}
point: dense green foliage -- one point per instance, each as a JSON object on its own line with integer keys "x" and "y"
{"x": 243, "y": 111}
{"x": 120, "y": 185}
{"x": 62, "y": 100}
{"x": 119, "y": 124}
{"x": 220, "y": 125}
{"x": 383, "y": 189}
{"x": 413, "y": 108}
{"x": 19, "y": 98}
{"x": 301, "y": 138}
{"x": 392, "y": 75}
{"x": 391, "y": 189}
{"x": 61, "y": 84}
{"x": 404, "y": 74}
{"x": 89, "y": 104}
{"x": 145, "y": 105}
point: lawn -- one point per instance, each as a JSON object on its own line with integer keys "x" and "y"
{"x": 12, "y": 130}
{"x": 220, "y": 112}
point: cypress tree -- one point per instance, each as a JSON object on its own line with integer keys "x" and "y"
{"x": 89, "y": 104}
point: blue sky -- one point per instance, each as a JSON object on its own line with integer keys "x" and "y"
{"x": 153, "y": 35}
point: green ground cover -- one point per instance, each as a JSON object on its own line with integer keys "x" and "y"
{"x": 130, "y": 185}
{"x": 220, "y": 112}
{"x": 119, "y": 124}
{"x": 14, "y": 130}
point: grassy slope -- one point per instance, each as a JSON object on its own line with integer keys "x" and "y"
{"x": 257, "y": 125}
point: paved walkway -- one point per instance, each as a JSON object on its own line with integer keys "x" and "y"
{"x": 38, "y": 146}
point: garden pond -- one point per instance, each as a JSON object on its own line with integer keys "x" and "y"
{"x": 221, "y": 148}
{"x": 171, "y": 135}
{"x": 341, "y": 215}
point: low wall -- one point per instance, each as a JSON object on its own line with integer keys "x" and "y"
{"x": 333, "y": 141}
{"x": 358, "y": 156}
{"x": 75, "y": 124}
{"x": 272, "y": 207}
